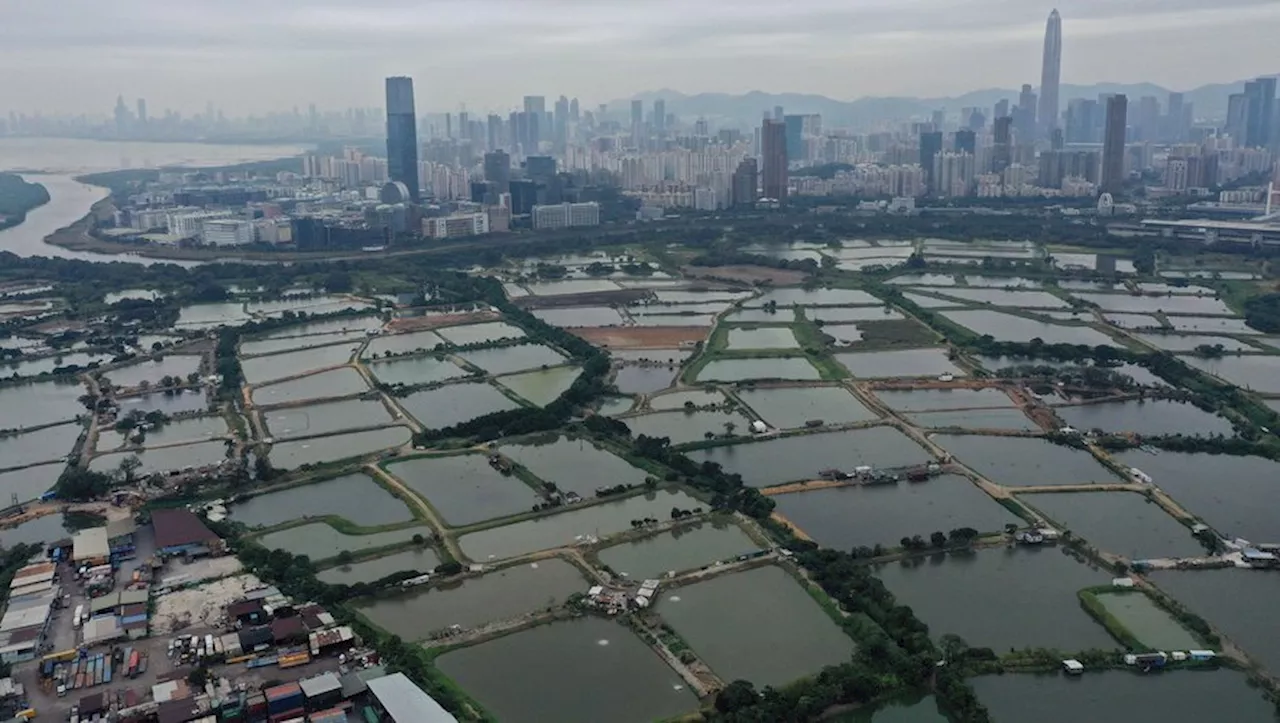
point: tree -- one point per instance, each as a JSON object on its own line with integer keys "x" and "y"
{"x": 127, "y": 467}
{"x": 953, "y": 647}
{"x": 736, "y": 695}
{"x": 729, "y": 427}
{"x": 938, "y": 539}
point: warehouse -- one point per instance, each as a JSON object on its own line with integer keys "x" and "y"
{"x": 404, "y": 702}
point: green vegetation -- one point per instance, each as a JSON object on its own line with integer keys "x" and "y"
{"x": 1092, "y": 605}
{"x": 17, "y": 197}
{"x": 1263, "y": 313}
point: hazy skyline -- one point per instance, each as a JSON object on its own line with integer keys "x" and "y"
{"x": 251, "y": 57}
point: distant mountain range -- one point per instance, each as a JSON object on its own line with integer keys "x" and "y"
{"x": 1210, "y": 101}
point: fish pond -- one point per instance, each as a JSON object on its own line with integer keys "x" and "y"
{"x": 172, "y": 365}
{"x": 319, "y": 541}
{"x": 1002, "y": 297}
{"x": 321, "y": 450}
{"x": 1147, "y": 417}
{"x": 686, "y": 427}
{"x": 541, "y": 386}
{"x": 505, "y": 360}
{"x": 676, "y": 400}
{"x": 176, "y": 403}
{"x": 714, "y": 617}
{"x": 791, "y": 407}
{"x": 615, "y": 675}
{"x": 1259, "y": 373}
{"x": 343, "y": 382}
{"x": 975, "y": 419}
{"x": 190, "y": 429}
{"x": 903, "y": 363}
{"x": 165, "y": 459}
{"x": 1122, "y": 523}
{"x": 28, "y": 484}
{"x": 817, "y": 297}
{"x": 579, "y": 316}
{"x": 1204, "y": 306}
{"x": 1170, "y": 697}
{"x": 419, "y": 559}
{"x": 737, "y": 370}
{"x": 1229, "y": 599}
{"x": 574, "y": 465}
{"x": 805, "y": 457}
{"x": 393, "y": 344}
{"x": 455, "y": 403}
{"x": 33, "y": 405}
{"x": 318, "y": 419}
{"x": 566, "y": 528}
{"x": 846, "y": 314}
{"x": 1188, "y": 342}
{"x": 644, "y": 379}
{"x": 481, "y": 333}
{"x": 870, "y": 515}
{"x": 464, "y": 489}
{"x": 42, "y": 445}
{"x": 262, "y": 369}
{"x": 1025, "y": 461}
{"x": 922, "y": 400}
{"x": 497, "y": 595}
{"x": 684, "y": 548}
{"x": 1151, "y": 625}
{"x": 416, "y": 370}
{"x": 1235, "y": 495}
{"x": 1008, "y": 327}
{"x": 972, "y": 594}
{"x": 354, "y": 497}
{"x": 765, "y": 337}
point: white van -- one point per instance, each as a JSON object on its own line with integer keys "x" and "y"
{"x": 79, "y": 616}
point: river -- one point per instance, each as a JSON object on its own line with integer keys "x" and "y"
{"x": 59, "y": 160}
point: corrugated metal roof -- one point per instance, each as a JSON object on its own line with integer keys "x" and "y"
{"x": 319, "y": 685}
{"x": 283, "y": 691}
{"x": 90, "y": 544}
{"x": 406, "y": 702}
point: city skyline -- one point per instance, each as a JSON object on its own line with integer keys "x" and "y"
{"x": 54, "y": 64}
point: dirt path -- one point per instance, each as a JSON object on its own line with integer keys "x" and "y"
{"x": 429, "y": 514}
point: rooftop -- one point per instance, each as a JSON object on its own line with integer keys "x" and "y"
{"x": 90, "y": 544}
{"x": 178, "y": 528}
{"x": 406, "y": 703}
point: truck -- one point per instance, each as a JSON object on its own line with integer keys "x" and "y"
{"x": 78, "y": 619}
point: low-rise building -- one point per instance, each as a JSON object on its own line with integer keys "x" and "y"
{"x": 566, "y": 215}
{"x": 457, "y": 225}
{"x": 404, "y": 702}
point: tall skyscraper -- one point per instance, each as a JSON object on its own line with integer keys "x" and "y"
{"x": 795, "y": 136}
{"x": 966, "y": 141}
{"x": 1002, "y": 108}
{"x": 1024, "y": 116}
{"x": 637, "y": 113}
{"x": 745, "y": 180}
{"x": 1262, "y": 102}
{"x": 1002, "y": 141}
{"x": 536, "y": 105}
{"x": 660, "y": 116}
{"x": 402, "y": 135}
{"x": 930, "y": 147}
{"x": 1237, "y": 117}
{"x": 1113, "y": 176}
{"x": 142, "y": 111}
{"x": 1051, "y": 73}
{"x": 773, "y": 153}
{"x": 497, "y": 170}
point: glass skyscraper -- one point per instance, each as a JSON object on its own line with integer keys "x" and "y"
{"x": 402, "y": 135}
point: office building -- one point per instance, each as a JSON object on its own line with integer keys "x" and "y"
{"x": 1050, "y": 73}
{"x": 795, "y": 136}
{"x": 966, "y": 141}
{"x": 1002, "y": 142}
{"x": 540, "y": 168}
{"x": 773, "y": 156}
{"x": 226, "y": 232}
{"x": 1237, "y": 125}
{"x": 1082, "y": 121}
{"x": 457, "y": 225}
{"x": 566, "y": 215}
{"x": 497, "y": 170}
{"x": 1262, "y": 102}
{"x": 524, "y": 196}
{"x": 1024, "y": 116}
{"x": 402, "y": 135}
{"x": 1001, "y": 109}
{"x": 1113, "y": 143}
{"x": 745, "y": 181}
{"x": 930, "y": 147}
{"x": 660, "y": 116}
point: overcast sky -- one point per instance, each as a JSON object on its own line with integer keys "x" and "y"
{"x": 258, "y": 55}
